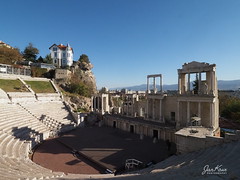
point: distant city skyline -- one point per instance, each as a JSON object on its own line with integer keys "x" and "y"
{"x": 128, "y": 39}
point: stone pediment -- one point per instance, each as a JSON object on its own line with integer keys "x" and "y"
{"x": 195, "y": 66}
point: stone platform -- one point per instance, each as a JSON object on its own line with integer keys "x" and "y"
{"x": 107, "y": 147}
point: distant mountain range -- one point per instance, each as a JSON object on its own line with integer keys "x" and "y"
{"x": 222, "y": 85}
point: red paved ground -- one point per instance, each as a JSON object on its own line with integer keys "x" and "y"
{"x": 108, "y": 147}
{"x": 53, "y": 155}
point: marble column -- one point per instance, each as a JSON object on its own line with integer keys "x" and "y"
{"x": 92, "y": 106}
{"x": 199, "y": 82}
{"x": 127, "y": 105}
{"x": 160, "y": 110}
{"x": 188, "y": 112}
{"x": 147, "y": 109}
{"x": 179, "y": 84}
{"x": 178, "y": 115}
{"x": 161, "y": 84}
{"x": 212, "y": 115}
{"x": 147, "y": 85}
{"x": 95, "y": 104}
{"x": 213, "y": 82}
{"x": 133, "y": 114}
{"x": 188, "y": 88}
{"x": 98, "y": 103}
{"x": 102, "y": 105}
{"x": 154, "y": 85}
{"x": 153, "y": 109}
{"x": 199, "y": 109}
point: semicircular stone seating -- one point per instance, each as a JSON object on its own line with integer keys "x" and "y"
{"x": 21, "y": 128}
{"x": 19, "y": 133}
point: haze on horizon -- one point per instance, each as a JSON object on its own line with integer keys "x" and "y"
{"x": 127, "y": 40}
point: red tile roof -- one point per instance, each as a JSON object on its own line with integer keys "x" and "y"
{"x": 61, "y": 46}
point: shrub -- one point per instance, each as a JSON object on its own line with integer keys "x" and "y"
{"x": 231, "y": 108}
{"x": 79, "y": 88}
{"x": 38, "y": 72}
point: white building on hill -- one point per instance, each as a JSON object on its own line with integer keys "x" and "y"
{"x": 62, "y": 55}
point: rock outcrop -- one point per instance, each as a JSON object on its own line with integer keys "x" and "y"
{"x": 83, "y": 71}
{"x": 82, "y": 79}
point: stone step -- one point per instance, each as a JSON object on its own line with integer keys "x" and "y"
{"x": 23, "y": 150}
{"x": 4, "y": 144}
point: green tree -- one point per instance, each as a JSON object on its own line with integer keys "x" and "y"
{"x": 48, "y": 59}
{"x": 79, "y": 88}
{"x": 229, "y": 107}
{"x": 38, "y": 72}
{"x": 9, "y": 55}
{"x": 84, "y": 58}
{"x": 103, "y": 90}
{"x": 40, "y": 59}
{"x": 195, "y": 85}
{"x": 30, "y": 53}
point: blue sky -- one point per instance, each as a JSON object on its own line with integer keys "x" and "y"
{"x": 128, "y": 39}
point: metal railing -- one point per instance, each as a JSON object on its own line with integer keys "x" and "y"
{"x": 8, "y": 69}
{"x": 132, "y": 163}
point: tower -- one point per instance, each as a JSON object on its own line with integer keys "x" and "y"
{"x": 69, "y": 55}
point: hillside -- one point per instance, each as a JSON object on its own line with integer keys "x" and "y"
{"x": 80, "y": 85}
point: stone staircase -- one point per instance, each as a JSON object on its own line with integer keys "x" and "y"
{"x": 53, "y": 114}
{"x": 19, "y": 132}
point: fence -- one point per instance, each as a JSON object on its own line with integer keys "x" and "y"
{"x": 8, "y": 69}
{"x": 132, "y": 163}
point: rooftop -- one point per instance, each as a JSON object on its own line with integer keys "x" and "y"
{"x": 195, "y": 131}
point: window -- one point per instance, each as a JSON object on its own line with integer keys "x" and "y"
{"x": 55, "y": 49}
{"x": 55, "y": 54}
{"x": 173, "y": 116}
{"x": 155, "y": 133}
{"x": 64, "y": 55}
{"x": 131, "y": 129}
{"x": 114, "y": 124}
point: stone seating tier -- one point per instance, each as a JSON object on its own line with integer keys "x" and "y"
{"x": 55, "y": 110}
{"x": 17, "y": 97}
{"x": 15, "y": 164}
{"x": 189, "y": 166}
{"x": 19, "y": 132}
{"x": 48, "y": 97}
{"x": 4, "y": 97}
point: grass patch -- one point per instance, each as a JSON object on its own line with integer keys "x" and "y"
{"x": 41, "y": 86}
{"x": 12, "y": 86}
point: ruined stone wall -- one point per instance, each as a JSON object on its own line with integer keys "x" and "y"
{"x": 169, "y": 105}
{"x": 140, "y": 128}
{"x": 205, "y": 116}
{"x": 186, "y": 144}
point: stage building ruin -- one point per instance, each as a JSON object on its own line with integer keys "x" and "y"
{"x": 188, "y": 117}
